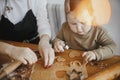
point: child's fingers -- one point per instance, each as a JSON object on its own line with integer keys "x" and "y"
{"x": 62, "y": 43}
{"x": 60, "y": 48}
{"x": 84, "y": 54}
{"x": 87, "y": 56}
{"x": 56, "y": 48}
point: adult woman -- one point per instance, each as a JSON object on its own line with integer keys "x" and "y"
{"x": 25, "y": 21}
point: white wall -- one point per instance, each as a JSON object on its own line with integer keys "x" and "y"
{"x": 56, "y": 1}
{"x": 113, "y": 26}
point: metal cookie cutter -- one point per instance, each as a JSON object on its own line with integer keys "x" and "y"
{"x": 75, "y": 75}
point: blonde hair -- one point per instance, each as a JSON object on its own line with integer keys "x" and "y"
{"x": 93, "y": 7}
{"x": 78, "y": 7}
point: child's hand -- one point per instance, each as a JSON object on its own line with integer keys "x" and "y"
{"x": 89, "y": 56}
{"x": 59, "y": 46}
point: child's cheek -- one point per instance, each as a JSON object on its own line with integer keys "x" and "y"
{"x": 73, "y": 28}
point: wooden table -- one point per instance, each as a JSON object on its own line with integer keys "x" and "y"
{"x": 58, "y": 70}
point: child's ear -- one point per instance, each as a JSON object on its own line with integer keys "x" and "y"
{"x": 67, "y": 6}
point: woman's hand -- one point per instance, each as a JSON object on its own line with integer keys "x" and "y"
{"x": 23, "y": 54}
{"x": 46, "y": 51}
